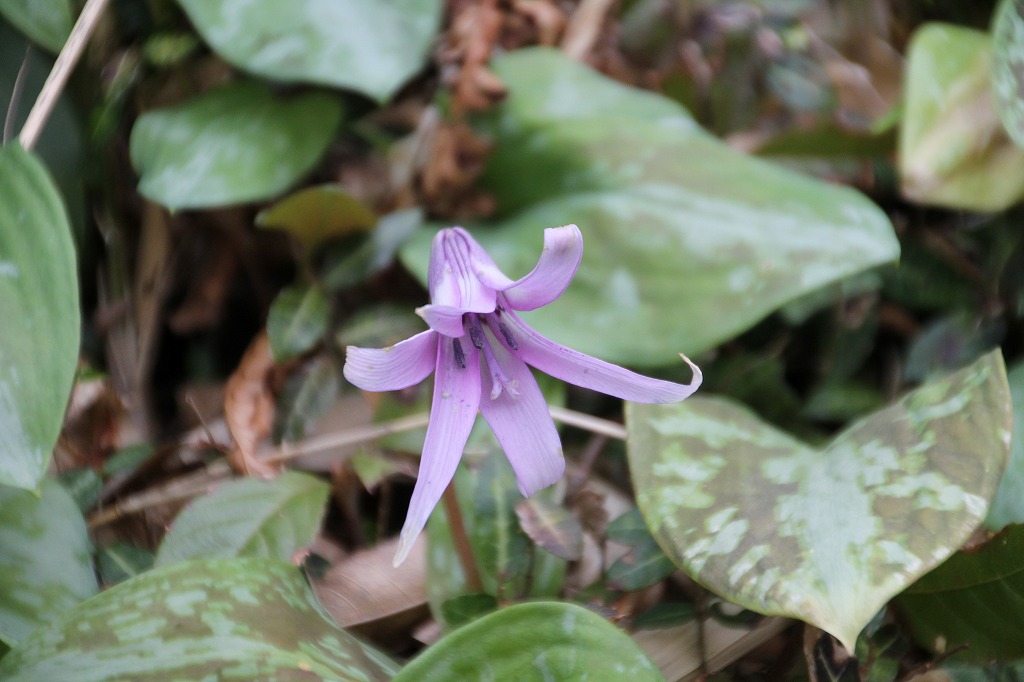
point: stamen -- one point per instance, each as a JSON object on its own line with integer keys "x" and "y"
{"x": 476, "y": 332}
{"x": 460, "y": 357}
{"x": 509, "y": 339}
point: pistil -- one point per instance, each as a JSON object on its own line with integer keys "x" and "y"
{"x": 499, "y": 380}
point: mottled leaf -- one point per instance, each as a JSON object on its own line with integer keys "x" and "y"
{"x": 248, "y": 517}
{"x": 47, "y": 22}
{"x": 370, "y": 47}
{"x": 297, "y": 320}
{"x": 1008, "y": 67}
{"x": 551, "y": 527}
{"x": 825, "y": 535}
{"x": 39, "y": 301}
{"x": 677, "y": 225}
{"x": 318, "y": 213}
{"x": 953, "y": 150}
{"x": 45, "y": 564}
{"x": 232, "y": 145}
{"x": 224, "y": 619}
{"x": 534, "y": 642}
{"x": 1008, "y": 507}
{"x": 306, "y": 397}
{"x": 976, "y": 598}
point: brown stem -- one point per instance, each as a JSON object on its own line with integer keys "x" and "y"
{"x": 461, "y": 539}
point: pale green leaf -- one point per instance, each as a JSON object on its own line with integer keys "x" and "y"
{"x": 39, "y": 301}
{"x": 232, "y": 145}
{"x": 47, "y": 22}
{"x": 953, "y": 150}
{"x": 221, "y": 619}
{"x": 248, "y": 517}
{"x": 677, "y": 226}
{"x": 45, "y": 564}
{"x": 297, "y": 320}
{"x": 306, "y": 397}
{"x": 535, "y": 642}
{"x": 370, "y": 47}
{"x": 1008, "y": 507}
{"x": 316, "y": 214}
{"x": 1008, "y": 67}
{"x": 825, "y": 535}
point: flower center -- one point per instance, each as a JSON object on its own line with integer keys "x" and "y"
{"x": 500, "y": 380}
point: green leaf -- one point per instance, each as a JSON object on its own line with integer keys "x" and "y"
{"x": 354, "y": 261}
{"x": 468, "y": 607}
{"x": 39, "y": 300}
{"x": 120, "y": 561}
{"x": 952, "y": 148}
{"x": 975, "y": 598}
{"x": 47, "y": 22}
{"x": 539, "y": 641}
{"x": 551, "y": 526}
{"x": 305, "y": 398}
{"x": 232, "y": 145}
{"x": 316, "y": 214}
{"x": 369, "y": 47}
{"x": 224, "y": 619}
{"x": 1008, "y": 67}
{"x": 45, "y": 564}
{"x": 1008, "y": 507}
{"x": 678, "y": 226}
{"x": 297, "y": 320}
{"x": 644, "y": 565}
{"x": 248, "y": 517}
{"x": 824, "y": 535}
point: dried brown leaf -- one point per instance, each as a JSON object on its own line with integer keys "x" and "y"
{"x": 249, "y": 409}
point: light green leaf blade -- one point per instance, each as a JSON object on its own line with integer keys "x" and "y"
{"x": 224, "y": 619}
{"x": 39, "y": 300}
{"x": 539, "y": 641}
{"x": 231, "y": 145}
{"x": 677, "y": 226}
{"x": 1008, "y": 67}
{"x": 1008, "y": 507}
{"x": 827, "y": 536}
{"x": 45, "y": 564}
{"x": 369, "y": 47}
{"x": 297, "y": 320}
{"x": 953, "y": 150}
{"x": 47, "y": 22}
{"x": 316, "y": 214}
{"x": 248, "y": 517}
{"x": 976, "y": 598}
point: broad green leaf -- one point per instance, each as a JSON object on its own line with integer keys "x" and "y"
{"x": 297, "y": 320}
{"x": 45, "y": 564}
{"x": 953, "y": 150}
{"x": 120, "y": 561}
{"x": 232, "y": 145}
{"x": 677, "y": 225}
{"x": 39, "y": 300}
{"x": 1008, "y": 507}
{"x": 538, "y": 641}
{"x": 47, "y": 22}
{"x": 644, "y": 564}
{"x": 369, "y": 47}
{"x": 306, "y": 397}
{"x": 223, "y": 619}
{"x": 975, "y": 598}
{"x": 824, "y": 535}
{"x": 1008, "y": 67}
{"x": 248, "y": 517}
{"x": 318, "y": 213}
{"x": 508, "y": 564}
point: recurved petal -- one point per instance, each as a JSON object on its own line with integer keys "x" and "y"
{"x": 443, "y": 319}
{"x": 390, "y": 369}
{"x": 589, "y": 372}
{"x": 452, "y": 412}
{"x": 563, "y": 251}
{"x": 453, "y": 276}
{"x": 522, "y": 424}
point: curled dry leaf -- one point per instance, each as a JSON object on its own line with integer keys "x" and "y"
{"x": 457, "y": 158}
{"x": 466, "y": 49}
{"x": 249, "y": 409}
{"x": 548, "y": 19}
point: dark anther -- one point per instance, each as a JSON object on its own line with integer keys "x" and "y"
{"x": 476, "y": 333}
{"x": 460, "y": 357}
{"x": 509, "y": 339}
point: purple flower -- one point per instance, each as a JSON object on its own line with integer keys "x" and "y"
{"x": 477, "y": 344}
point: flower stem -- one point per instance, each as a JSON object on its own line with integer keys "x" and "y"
{"x": 460, "y": 539}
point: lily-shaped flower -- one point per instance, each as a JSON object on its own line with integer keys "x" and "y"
{"x": 476, "y": 343}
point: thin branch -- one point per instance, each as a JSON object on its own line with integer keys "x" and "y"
{"x": 62, "y": 68}
{"x": 587, "y": 422}
{"x": 331, "y": 441}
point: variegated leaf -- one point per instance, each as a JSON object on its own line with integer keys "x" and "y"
{"x": 825, "y": 535}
